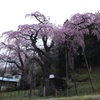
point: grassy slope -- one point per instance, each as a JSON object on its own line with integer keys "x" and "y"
{"x": 85, "y": 97}
{"x": 83, "y": 82}
{"x": 85, "y": 91}
{"x": 84, "y": 87}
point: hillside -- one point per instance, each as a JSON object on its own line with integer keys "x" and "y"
{"x": 83, "y": 81}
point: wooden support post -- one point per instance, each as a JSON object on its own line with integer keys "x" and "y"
{"x": 44, "y": 91}
{"x": 56, "y": 92}
{"x": 32, "y": 93}
{"x": 21, "y": 95}
{"x": 10, "y": 96}
{"x": 0, "y": 96}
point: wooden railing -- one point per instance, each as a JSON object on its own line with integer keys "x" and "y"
{"x": 16, "y": 95}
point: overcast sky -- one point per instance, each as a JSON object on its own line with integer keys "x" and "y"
{"x": 12, "y": 12}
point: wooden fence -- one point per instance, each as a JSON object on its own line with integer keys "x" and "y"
{"x": 24, "y": 95}
{"x": 16, "y": 95}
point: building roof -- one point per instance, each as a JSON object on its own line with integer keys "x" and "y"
{"x": 51, "y": 76}
{"x": 8, "y": 79}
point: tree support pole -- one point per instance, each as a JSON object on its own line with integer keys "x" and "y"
{"x": 66, "y": 59}
{"x": 89, "y": 72}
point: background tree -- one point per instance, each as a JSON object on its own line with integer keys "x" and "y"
{"x": 18, "y": 54}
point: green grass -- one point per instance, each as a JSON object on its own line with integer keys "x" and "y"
{"x": 85, "y": 97}
{"x": 83, "y": 84}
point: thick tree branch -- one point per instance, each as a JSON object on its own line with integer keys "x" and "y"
{"x": 12, "y": 61}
